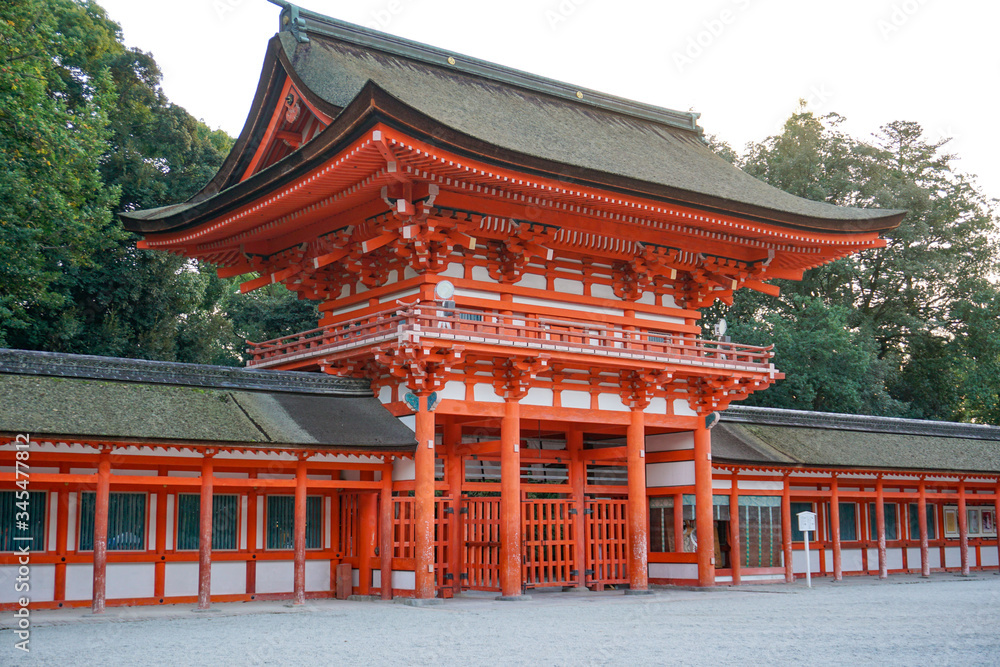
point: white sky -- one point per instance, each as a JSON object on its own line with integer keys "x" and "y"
{"x": 743, "y": 64}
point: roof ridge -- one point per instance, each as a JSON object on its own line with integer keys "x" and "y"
{"x": 300, "y": 22}
{"x": 56, "y": 364}
{"x": 847, "y": 422}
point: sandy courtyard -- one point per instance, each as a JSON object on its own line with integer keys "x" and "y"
{"x": 905, "y": 620}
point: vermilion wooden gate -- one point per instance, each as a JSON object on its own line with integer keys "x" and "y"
{"x": 547, "y": 537}
{"x": 606, "y": 542}
{"x": 481, "y": 543}
{"x": 404, "y": 540}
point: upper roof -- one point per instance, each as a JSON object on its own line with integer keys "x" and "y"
{"x": 48, "y": 394}
{"x": 507, "y": 117}
{"x": 795, "y": 438}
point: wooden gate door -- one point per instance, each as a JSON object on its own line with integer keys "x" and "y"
{"x": 547, "y": 538}
{"x": 606, "y": 542}
{"x": 480, "y": 522}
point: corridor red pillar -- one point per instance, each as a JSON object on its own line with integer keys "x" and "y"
{"x": 205, "y": 535}
{"x": 101, "y": 504}
{"x": 299, "y": 576}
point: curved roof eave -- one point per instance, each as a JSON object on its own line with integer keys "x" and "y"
{"x": 373, "y": 104}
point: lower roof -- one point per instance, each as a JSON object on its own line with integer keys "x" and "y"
{"x": 767, "y": 436}
{"x": 85, "y": 397}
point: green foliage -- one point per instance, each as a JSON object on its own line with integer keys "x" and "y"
{"x": 917, "y": 313}
{"x": 55, "y": 210}
{"x": 87, "y": 131}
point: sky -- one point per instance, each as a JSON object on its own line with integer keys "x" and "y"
{"x": 743, "y": 64}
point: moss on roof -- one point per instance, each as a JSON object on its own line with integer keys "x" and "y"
{"x": 123, "y": 410}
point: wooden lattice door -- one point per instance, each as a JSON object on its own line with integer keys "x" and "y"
{"x": 607, "y": 542}
{"x": 548, "y": 538}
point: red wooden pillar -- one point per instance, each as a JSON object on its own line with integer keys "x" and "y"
{"x": 963, "y": 528}
{"x": 786, "y": 529}
{"x": 638, "y": 505}
{"x": 883, "y": 568}
{"x": 251, "y": 585}
{"x": 299, "y": 578}
{"x": 578, "y": 483}
{"x": 368, "y": 537}
{"x": 925, "y": 563}
{"x": 101, "y": 504}
{"x": 838, "y": 569}
{"x": 703, "y": 506}
{"x": 385, "y": 534}
{"x": 62, "y": 525}
{"x": 455, "y": 476}
{"x": 205, "y": 536}
{"x": 510, "y": 500}
{"x": 996, "y": 518}
{"x": 160, "y": 567}
{"x": 735, "y": 549}
{"x": 423, "y": 526}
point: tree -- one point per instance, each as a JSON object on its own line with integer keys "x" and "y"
{"x": 55, "y": 210}
{"x": 909, "y": 300}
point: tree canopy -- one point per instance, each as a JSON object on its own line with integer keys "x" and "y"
{"x": 906, "y": 330}
{"x": 88, "y": 132}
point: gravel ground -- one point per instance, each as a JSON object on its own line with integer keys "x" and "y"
{"x": 946, "y": 620}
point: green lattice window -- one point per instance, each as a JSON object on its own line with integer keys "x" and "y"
{"x": 22, "y": 518}
{"x": 281, "y": 522}
{"x": 225, "y": 521}
{"x": 126, "y": 521}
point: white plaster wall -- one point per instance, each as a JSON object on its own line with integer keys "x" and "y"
{"x": 611, "y": 402}
{"x": 181, "y": 579}
{"x": 682, "y": 409}
{"x": 452, "y": 389}
{"x": 171, "y": 507}
{"x": 532, "y": 281}
{"x": 603, "y": 291}
{"x": 799, "y": 561}
{"x": 647, "y": 298}
{"x": 722, "y": 484}
{"x": 673, "y": 473}
{"x": 894, "y": 559}
{"x": 652, "y": 317}
{"x": 575, "y": 399}
{"x": 152, "y": 499}
{"x": 567, "y": 305}
{"x": 385, "y": 394}
{"x": 850, "y": 560}
{"x": 275, "y": 576}
{"x": 355, "y": 577}
{"x": 79, "y": 581}
{"x": 538, "y": 396}
{"x": 409, "y": 273}
{"x": 404, "y": 579}
{"x": 673, "y": 571}
{"x": 873, "y": 560}
{"x": 410, "y": 422}
{"x": 657, "y": 406}
{"x": 669, "y": 442}
{"x": 130, "y": 580}
{"x": 953, "y": 557}
{"x": 478, "y": 294}
{"x": 757, "y": 485}
{"x": 41, "y": 583}
{"x": 317, "y": 575}
{"x": 71, "y": 521}
{"x": 260, "y": 522}
{"x": 454, "y": 270}
{"x": 567, "y": 286}
{"x": 913, "y": 558}
{"x": 53, "y": 504}
{"x": 403, "y": 470}
{"x": 989, "y": 556}
{"x": 229, "y": 577}
{"x": 484, "y": 393}
{"x": 481, "y": 274}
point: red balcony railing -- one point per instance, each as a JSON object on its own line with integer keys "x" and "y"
{"x": 520, "y": 330}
